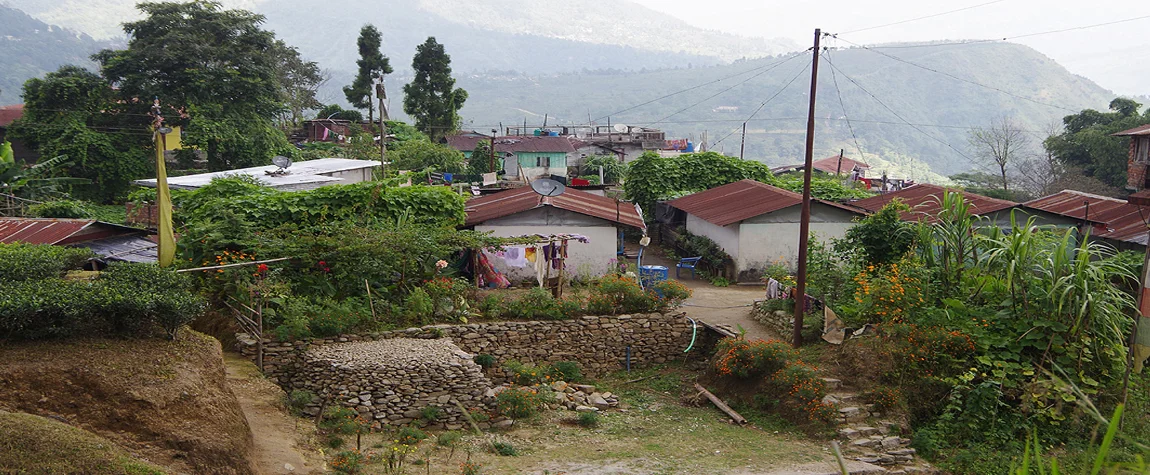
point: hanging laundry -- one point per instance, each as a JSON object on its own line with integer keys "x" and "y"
{"x": 540, "y": 268}
{"x": 515, "y": 257}
{"x": 773, "y": 291}
{"x": 530, "y": 254}
{"x": 548, "y": 252}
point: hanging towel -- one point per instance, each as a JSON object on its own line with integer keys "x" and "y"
{"x": 530, "y": 254}
{"x": 773, "y": 289}
{"x": 515, "y": 257}
{"x": 540, "y": 269}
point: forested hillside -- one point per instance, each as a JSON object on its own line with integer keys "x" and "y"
{"x": 30, "y": 48}
{"x": 1038, "y": 92}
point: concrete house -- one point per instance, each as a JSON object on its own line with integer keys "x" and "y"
{"x": 1138, "y": 160}
{"x": 924, "y": 201}
{"x": 302, "y": 175}
{"x": 758, "y": 224}
{"x": 1119, "y": 223}
{"x": 522, "y": 212}
{"x": 525, "y": 156}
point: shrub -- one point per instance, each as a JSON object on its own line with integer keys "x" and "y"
{"x": 888, "y": 292}
{"x": 61, "y": 209}
{"x": 298, "y": 399}
{"x": 448, "y": 439}
{"x": 492, "y": 306}
{"x": 884, "y": 398}
{"x": 470, "y": 468}
{"x": 518, "y": 403}
{"x": 714, "y": 258}
{"x": 720, "y": 282}
{"x": 411, "y": 436}
{"x": 566, "y": 371}
{"x": 419, "y": 306}
{"x": 800, "y": 391}
{"x": 536, "y": 304}
{"x": 589, "y": 419}
{"x": 527, "y": 374}
{"x": 671, "y": 293}
{"x": 449, "y": 297}
{"x": 430, "y": 413}
{"x": 28, "y": 261}
{"x": 619, "y": 294}
{"x": 348, "y": 461}
{"x": 485, "y": 360}
{"x": 505, "y": 449}
{"x": 745, "y": 359}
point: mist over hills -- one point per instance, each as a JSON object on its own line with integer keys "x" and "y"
{"x": 596, "y": 58}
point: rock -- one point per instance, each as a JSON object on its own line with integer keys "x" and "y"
{"x": 585, "y": 388}
{"x": 867, "y": 431}
{"x": 598, "y": 401}
{"x": 865, "y": 443}
{"x": 444, "y": 399}
{"x": 585, "y": 409}
{"x": 289, "y": 467}
{"x": 849, "y": 433}
{"x": 503, "y": 424}
{"x": 832, "y": 383}
{"x": 848, "y": 411}
{"x": 890, "y": 442}
{"x": 906, "y": 451}
{"x": 559, "y": 386}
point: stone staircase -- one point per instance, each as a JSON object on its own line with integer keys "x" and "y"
{"x": 867, "y": 435}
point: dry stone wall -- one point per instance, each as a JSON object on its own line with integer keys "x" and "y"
{"x": 367, "y": 372}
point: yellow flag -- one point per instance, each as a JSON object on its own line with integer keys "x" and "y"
{"x": 167, "y": 251}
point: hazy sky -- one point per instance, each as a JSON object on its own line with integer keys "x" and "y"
{"x": 1115, "y": 56}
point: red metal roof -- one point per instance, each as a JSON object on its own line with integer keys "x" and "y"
{"x": 9, "y": 114}
{"x": 1140, "y": 130}
{"x": 828, "y": 165}
{"x": 518, "y": 200}
{"x": 1112, "y": 218}
{"x": 924, "y": 200}
{"x": 58, "y": 230}
{"x": 743, "y": 199}
{"x": 513, "y": 144}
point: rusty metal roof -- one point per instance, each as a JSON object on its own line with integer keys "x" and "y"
{"x": 518, "y": 200}
{"x": 1140, "y": 130}
{"x": 924, "y": 200}
{"x": 743, "y": 199}
{"x": 829, "y": 165}
{"x": 513, "y": 144}
{"x": 1111, "y": 218}
{"x": 9, "y": 114}
{"x": 58, "y": 230}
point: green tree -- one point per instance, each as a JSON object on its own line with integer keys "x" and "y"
{"x": 480, "y": 160}
{"x": 418, "y": 155}
{"x": 221, "y": 75}
{"x": 334, "y": 111}
{"x": 373, "y": 65}
{"x": 298, "y": 82}
{"x": 1086, "y": 143}
{"x": 881, "y": 238}
{"x": 74, "y": 113}
{"x": 432, "y": 98}
{"x": 613, "y": 171}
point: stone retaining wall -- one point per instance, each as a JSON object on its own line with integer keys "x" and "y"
{"x": 598, "y": 344}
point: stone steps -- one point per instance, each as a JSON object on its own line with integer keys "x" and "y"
{"x": 869, "y": 439}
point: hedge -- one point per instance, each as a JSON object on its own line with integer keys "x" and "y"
{"x": 20, "y": 262}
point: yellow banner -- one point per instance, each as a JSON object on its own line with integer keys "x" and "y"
{"x": 167, "y": 239}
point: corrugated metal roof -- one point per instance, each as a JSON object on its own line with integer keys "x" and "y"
{"x": 1112, "y": 218}
{"x": 924, "y": 200}
{"x": 506, "y": 203}
{"x": 9, "y": 114}
{"x": 513, "y": 144}
{"x": 743, "y": 199}
{"x": 40, "y": 230}
{"x": 123, "y": 248}
{"x": 828, "y": 165}
{"x": 304, "y": 174}
{"x": 1140, "y": 130}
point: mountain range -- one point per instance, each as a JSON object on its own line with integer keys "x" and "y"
{"x": 595, "y": 59}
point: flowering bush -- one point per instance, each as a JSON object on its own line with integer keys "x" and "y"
{"x": 623, "y": 294}
{"x": 349, "y": 461}
{"x": 745, "y": 359}
{"x": 888, "y": 292}
{"x": 914, "y": 351}
{"x": 449, "y": 297}
{"x": 670, "y": 293}
{"x": 801, "y": 391}
{"x": 519, "y": 403}
{"x": 884, "y": 398}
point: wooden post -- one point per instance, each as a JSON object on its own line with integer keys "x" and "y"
{"x": 721, "y": 405}
{"x": 805, "y": 214}
{"x": 260, "y": 337}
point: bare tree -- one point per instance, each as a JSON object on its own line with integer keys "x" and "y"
{"x": 1001, "y": 143}
{"x": 1041, "y": 174}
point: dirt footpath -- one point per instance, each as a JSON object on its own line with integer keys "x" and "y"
{"x": 729, "y": 306}
{"x": 281, "y": 444}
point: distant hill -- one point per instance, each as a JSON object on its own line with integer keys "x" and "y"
{"x": 30, "y": 48}
{"x": 776, "y": 136}
{"x": 520, "y": 35}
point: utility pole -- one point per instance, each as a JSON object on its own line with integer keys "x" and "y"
{"x": 805, "y": 220}
{"x": 743, "y": 143}
{"x": 381, "y": 94}
{"x": 491, "y": 149}
{"x": 839, "y": 169}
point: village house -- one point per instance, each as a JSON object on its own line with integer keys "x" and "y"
{"x": 112, "y": 242}
{"x": 758, "y": 224}
{"x": 524, "y": 157}
{"x": 302, "y": 175}
{"x": 523, "y": 212}
{"x": 1138, "y": 158}
{"x": 1119, "y": 223}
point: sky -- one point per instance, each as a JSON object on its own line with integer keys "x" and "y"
{"x": 1115, "y": 56}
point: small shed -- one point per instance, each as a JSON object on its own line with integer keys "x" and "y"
{"x": 522, "y": 212}
{"x": 111, "y": 241}
{"x": 303, "y": 175}
{"x": 758, "y": 224}
{"x": 1120, "y": 223}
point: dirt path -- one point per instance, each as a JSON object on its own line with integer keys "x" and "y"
{"x": 717, "y": 305}
{"x": 280, "y": 440}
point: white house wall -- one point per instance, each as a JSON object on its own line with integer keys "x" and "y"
{"x": 584, "y": 260}
{"x": 727, "y": 237}
{"x": 774, "y": 237}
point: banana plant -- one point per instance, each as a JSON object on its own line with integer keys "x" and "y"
{"x": 36, "y": 181}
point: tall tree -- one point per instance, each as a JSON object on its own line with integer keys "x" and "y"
{"x": 220, "y": 74}
{"x": 74, "y": 113}
{"x": 299, "y": 80}
{"x": 373, "y": 65}
{"x": 999, "y": 144}
{"x": 1086, "y": 144}
{"x": 432, "y": 98}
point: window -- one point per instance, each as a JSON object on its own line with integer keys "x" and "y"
{"x": 543, "y": 162}
{"x": 1141, "y": 149}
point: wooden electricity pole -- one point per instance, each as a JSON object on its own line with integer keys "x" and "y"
{"x": 743, "y": 143}
{"x": 382, "y": 95}
{"x": 805, "y": 220}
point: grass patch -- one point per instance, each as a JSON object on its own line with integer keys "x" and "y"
{"x": 33, "y": 444}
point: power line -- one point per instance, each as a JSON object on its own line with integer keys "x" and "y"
{"x": 1003, "y": 91}
{"x": 1005, "y": 38}
{"x": 839, "y": 93}
{"x": 724, "y": 78}
{"x": 896, "y": 114}
{"x": 760, "y": 73}
{"x": 922, "y": 17}
{"x": 764, "y": 103}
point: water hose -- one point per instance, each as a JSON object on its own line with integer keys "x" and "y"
{"x": 694, "y": 333}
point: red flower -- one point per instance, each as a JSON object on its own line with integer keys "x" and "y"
{"x": 322, "y": 263}
{"x": 262, "y": 268}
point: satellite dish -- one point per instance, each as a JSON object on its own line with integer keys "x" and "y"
{"x": 281, "y": 161}
{"x": 548, "y": 187}
{"x": 620, "y": 128}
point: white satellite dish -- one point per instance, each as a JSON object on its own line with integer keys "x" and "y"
{"x": 621, "y": 128}
{"x": 548, "y": 187}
